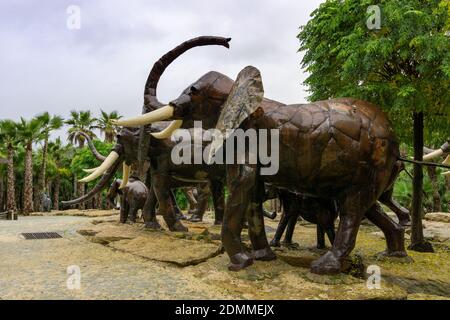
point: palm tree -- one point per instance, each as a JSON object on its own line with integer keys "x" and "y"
{"x": 8, "y": 137}
{"x": 49, "y": 124}
{"x": 29, "y": 133}
{"x": 57, "y": 152}
{"x": 81, "y": 121}
{"x": 106, "y": 127}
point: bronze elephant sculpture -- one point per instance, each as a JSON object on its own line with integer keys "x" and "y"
{"x": 132, "y": 197}
{"x": 343, "y": 150}
{"x": 197, "y": 208}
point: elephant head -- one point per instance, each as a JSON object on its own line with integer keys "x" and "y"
{"x": 214, "y": 99}
{"x": 111, "y": 163}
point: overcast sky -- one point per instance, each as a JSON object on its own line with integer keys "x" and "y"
{"x": 45, "y": 66}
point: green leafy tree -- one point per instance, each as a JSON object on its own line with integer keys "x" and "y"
{"x": 9, "y": 138}
{"x": 403, "y": 66}
{"x": 48, "y": 125}
{"x": 106, "y": 127}
{"x": 60, "y": 157}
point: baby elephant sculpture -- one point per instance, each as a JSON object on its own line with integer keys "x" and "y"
{"x": 321, "y": 212}
{"x": 132, "y": 197}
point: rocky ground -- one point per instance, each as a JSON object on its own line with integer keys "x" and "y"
{"x": 129, "y": 262}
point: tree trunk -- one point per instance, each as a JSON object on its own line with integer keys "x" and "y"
{"x": 10, "y": 183}
{"x": 28, "y": 180}
{"x": 56, "y": 187}
{"x": 418, "y": 242}
{"x": 2, "y": 194}
{"x": 435, "y": 188}
{"x": 80, "y": 192}
{"x": 41, "y": 180}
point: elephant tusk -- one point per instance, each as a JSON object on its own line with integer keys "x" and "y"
{"x": 167, "y": 132}
{"x": 126, "y": 175}
{"x": 90, "y": 170}
{"x": 109, "y": 161}
{"x": 432, "y": 155}
{"x": 160, "y": 114}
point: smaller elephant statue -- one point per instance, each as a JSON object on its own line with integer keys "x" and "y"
{"x": 322, "y": 212}
{"x": 132, "y": 197}
{"x": 46, "y": 203}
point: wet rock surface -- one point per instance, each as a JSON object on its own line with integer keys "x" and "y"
{"x": 122, "y": 261}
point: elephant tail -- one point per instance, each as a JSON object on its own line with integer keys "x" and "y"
{"x": 424, "y": 163}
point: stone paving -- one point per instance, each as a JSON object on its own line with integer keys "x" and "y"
{"x": 119, "y": 262}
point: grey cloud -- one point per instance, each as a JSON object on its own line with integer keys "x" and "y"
{"x": 46, "y": 67}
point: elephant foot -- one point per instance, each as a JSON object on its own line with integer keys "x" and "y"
{"x": 290, "y": 245}
{"x": 423, "y": 246}
{"x": 240, "y": 261}
{"x": 181, "y": 216}
{"x": 265, "y": 254}
{"x": 320, "y": 246}
{"x": 275, "y": 243}
{"x": 394, "y": 256}
{"x": 178, "y": 226}
{"x": 196, "y": 218}
{"x": 153, "y": 225}
{"x": 327, "y": 264}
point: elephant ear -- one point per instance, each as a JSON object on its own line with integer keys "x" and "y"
{"x": 244, "y": 100}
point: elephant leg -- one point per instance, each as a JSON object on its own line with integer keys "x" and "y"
{"x": 320, "y": 237}
{"x": 393, "y": 232}
{"x": 285, "y": 219}
{"x": 401, "y": 212}
{"x": 218, "y": 196}
{"x": 202, "y": 203}
{"x": 124, "y": 209}
{"x": 240, "y": 182}
{"x": 275, "y": 242}
{"x": 149, "y": 210}
{"x": 325, "y": 221}
{"x": 164, "y": 195}
{"x": 192, "y": 201}
{"x": 292, "y": 222}
{"x": 132, "y": 213}
{"x": 331, "y": 234}
{"x": 257, "y": 232}
{"x": 353, "y": 207}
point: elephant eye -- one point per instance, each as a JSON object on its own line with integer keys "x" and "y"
{"x": 194, "y": 89}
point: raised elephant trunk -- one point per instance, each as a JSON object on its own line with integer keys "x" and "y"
{"x": 99, "y": 187}
{"x": 150, "y": 100}
{"x": 94, "y": 151}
